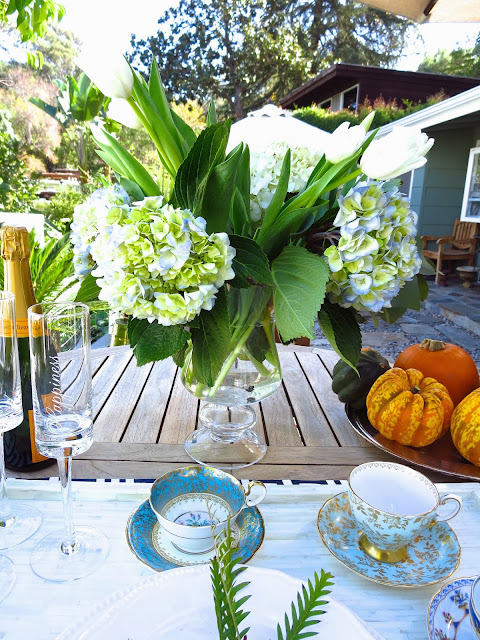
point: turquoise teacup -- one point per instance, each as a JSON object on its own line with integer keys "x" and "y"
{"x": 188, "y": 501}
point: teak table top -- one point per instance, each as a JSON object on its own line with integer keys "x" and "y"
{"x": 142, "y": 416}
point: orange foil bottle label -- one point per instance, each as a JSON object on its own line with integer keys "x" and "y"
{"x": 36, "y": 456}
{"x": 22, "y": 328}
{"x": 6, "y": 328}
{"x": 38, "y": 329}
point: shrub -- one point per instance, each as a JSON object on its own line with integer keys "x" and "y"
{"x": 385, "y": 112}
{"x": 17, "y": 191}
{"x": 59, "y": 209}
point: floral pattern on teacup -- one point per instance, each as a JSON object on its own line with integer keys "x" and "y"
{"x": 195, "y": 519}
{"x": 387, "y": 530}
{"x": 431, "y": 557}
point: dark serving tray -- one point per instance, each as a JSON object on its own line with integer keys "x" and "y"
{"x": 439, "y": 456}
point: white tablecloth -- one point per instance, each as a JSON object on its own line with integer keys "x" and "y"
{"x": 40, "y": 610}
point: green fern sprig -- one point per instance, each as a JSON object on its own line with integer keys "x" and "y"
{"x": 224, "y": 574}
{"x": 308, "y": 609}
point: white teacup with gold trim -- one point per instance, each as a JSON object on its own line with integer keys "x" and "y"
{"x": 392, "y": 505}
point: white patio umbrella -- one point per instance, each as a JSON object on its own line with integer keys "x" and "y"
{"x": 272, "y": 124}
{"x": 431, "y": 10}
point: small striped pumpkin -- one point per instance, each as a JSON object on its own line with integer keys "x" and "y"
{"x": 465, "y": 427}
{"x": 408, "y": 408}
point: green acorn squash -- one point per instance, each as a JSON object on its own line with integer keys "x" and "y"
{"x": 352, "y": 388}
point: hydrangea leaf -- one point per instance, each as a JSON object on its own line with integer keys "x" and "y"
{"x": 428, "y": 267}
{"x": 300, "y": 278}
{"x": 409, "y": 296}
{"x": 211, "y": 341}
{"x": 151, "y": 341}
{"x": 340, "y": 328}
{"x": 250, "y": 263}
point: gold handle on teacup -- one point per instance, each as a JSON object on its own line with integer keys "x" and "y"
{"x": 250, "y": 501}
{"x": 457, "y": 508}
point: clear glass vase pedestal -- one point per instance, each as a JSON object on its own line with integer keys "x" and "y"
{"x": 228, "y": 437}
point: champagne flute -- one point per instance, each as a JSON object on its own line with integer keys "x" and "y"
{"x": 59, "y": 335}
{"x": 15, "y": 526}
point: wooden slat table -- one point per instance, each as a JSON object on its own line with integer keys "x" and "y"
{"x": 142, "y": 416}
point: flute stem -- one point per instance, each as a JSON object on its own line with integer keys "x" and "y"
{"x": 6, "y": 516}
{"x": 69, "y": 544}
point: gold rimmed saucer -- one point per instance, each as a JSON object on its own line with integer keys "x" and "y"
{"x": 147, "y": 541}
{"x": 433, "y": 556}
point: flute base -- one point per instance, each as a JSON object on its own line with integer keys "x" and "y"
{"x": 7, "y": 576}
{"x": 51, "y": 563}
{"x": 24, "y": 522}
{"x": 228, "y": 437}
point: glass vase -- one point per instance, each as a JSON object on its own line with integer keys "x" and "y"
{"x": 228, "y": 434}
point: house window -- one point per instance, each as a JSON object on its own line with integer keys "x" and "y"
{"x": 350, "y": 99}
{"x": 326, "y": 104}
{"x": 471, "y": 196}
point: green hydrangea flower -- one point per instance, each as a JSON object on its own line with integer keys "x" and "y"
{"x": 377, "y": 252}
{"x": 88, "y": 218}
{"x": 265, "y": 169}
{"x": 158, "y": 262}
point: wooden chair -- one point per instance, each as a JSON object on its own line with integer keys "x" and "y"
{"x": 460, "y": 245}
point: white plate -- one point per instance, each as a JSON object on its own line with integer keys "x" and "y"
{"x": 179, "y": 604}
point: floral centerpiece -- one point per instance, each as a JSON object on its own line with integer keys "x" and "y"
{"x": 200, "y": 265}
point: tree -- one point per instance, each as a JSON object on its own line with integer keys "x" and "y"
{"x": 37, "y": 132}
{"x": 460, "y": 62}
{"x": 59, "y": 50}
{"x": 31, "y": 16}
{"x": 245, "y": 53}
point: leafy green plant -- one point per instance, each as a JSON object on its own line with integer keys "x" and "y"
{"x": 229, "y": 603}
{"x": 17, "y": 191}
{"x": 59, "y": 210}
{"x": 78, "y": 104}
{"x": 224, "y": 574}
{"x": 385, "y": 112}
{"x": 51, "y": 267}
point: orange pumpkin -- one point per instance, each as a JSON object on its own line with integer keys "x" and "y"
{"x": 447, "y": 363}
{"x": 408, "y": 408}
{"x": 465, "y": 427}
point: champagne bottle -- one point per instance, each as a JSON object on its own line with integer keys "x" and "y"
{"x": 21, "y": 453}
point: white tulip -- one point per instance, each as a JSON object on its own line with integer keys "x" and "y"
{"x": 99, "y": 135}
{"x": 121, "y": 111}
{"x": 344, "y": 142}
{"x": 110, "y": 72}
{"x": 402, "y": 150}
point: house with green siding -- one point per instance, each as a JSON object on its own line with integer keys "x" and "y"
{"x": 448, "y": 186}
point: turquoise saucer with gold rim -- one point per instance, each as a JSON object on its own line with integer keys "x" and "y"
{"x": 151, "y": 546}
{"x": 433, "y": 556}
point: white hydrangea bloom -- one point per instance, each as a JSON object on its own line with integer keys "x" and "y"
{"x": 158, "y": 262}
{"x": 265, "y": 169}
{"x": 89, "y": 218}
{"x": 377, "y": 252}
